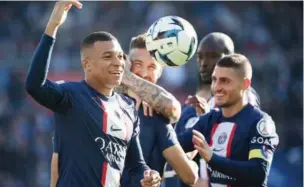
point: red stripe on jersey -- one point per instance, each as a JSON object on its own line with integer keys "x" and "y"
{"x": 105, "y": 119}
{"x": 104, "y": 173}
{"x": 104, "y": 129}
{"x": 212, "y": 133}
{"x": 230, "y": 141}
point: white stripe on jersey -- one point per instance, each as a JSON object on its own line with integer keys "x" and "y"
{"x": 218, "y": 185}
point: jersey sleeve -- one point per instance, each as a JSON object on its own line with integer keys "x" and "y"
{"x": 135, "y": 163}
{"x": 45, "y": 92}
{"x": 263, "y": 141}
{"x": 166, "y": 136}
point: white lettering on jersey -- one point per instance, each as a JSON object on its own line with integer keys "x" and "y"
{"x": 117, "y": 124}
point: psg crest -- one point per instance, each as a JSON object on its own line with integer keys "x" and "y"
{"x": 222, "y": 138}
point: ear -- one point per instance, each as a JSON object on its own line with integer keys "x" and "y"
{"x": 86, "y": 65}
{"x": 247, "y": 83}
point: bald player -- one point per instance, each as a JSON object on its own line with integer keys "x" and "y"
{"x": 212, "y": 48}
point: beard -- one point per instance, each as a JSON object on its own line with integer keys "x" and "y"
{"x": 228, "y": 104}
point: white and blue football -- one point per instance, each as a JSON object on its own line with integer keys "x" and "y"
{"x": 171, "y": 40}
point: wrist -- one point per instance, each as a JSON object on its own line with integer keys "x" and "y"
{"x": 209, "y": 158}
{"x": 51, "y": 29}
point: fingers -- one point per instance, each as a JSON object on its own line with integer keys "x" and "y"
{"x": 137, "y": 104}
{"x": 69, "y": 3}
{"x": 75, "y": 3}
{"x": 201, "y": 151}
{"x": 68, "y": 7}
{"x": 151, "y": 179}
{"x": 148, "y": 111}
{"x": 198, "y": 139}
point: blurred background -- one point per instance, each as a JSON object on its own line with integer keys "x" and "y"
{"x": 269, "y": 33}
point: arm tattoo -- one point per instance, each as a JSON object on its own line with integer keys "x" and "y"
{"x": 156, "y": 96}
{"x": 121, "y": 89}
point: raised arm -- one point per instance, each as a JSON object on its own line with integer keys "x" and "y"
{"x": 157, "y": 97}
{"x": 45, "y": 92}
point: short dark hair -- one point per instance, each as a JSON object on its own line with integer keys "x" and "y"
{"x": 90, "y": 39}
{"x": 138, "y": 42}
{"x": 238, "y": 62}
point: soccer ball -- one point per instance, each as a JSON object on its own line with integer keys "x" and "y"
{"x": 171, "y": 40}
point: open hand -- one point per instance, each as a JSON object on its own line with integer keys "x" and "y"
{"x": 199, "y": 103}
{"x": 201, "y": 146}
{"x": 61, "y": 10}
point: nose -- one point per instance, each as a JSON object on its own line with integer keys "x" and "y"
{"x": 117, "y": 61}
{"x": 143, "y": 73}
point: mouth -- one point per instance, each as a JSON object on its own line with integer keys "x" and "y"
{"x": 204, "y": 73}
{"x": 219, "y": 95}
{"x": 116, "y": 72}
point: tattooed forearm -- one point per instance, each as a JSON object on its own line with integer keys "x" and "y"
{"x": 157, "y": 97}
{"x": 121, "y": 89}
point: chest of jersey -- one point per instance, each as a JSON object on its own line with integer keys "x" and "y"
{"x": 230, "y": 140}
{"x": 106, "y": 118}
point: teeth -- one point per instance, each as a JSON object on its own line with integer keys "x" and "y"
{"x": 115, "y": 72}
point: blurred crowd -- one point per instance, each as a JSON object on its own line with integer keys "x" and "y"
{"x": 270, "y": 34}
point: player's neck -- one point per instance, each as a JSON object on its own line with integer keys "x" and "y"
{"x": 99, "y": 87}
{"x": 204, "y": 91}
{"x": 233, "y": 110}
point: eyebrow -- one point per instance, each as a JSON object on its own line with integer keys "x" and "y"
{"x": 111, "y": 52}
{"x": 137, "y": 60}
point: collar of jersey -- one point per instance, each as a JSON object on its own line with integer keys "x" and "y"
{"x": 246, "y": 108}
{"x": 96, "y": 93}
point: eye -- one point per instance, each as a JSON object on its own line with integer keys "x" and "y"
{"x": 107, "y": 57}
{"x": 137, "y": 64}
{"x": 120, "y": 56}
{"x": 152, "y": 67}
{"x": 226, "y": 81}
{"x": 199, "y": 56}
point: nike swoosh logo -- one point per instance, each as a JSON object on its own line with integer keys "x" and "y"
{"x": 218, "y": 150}
{"x": 115, "y": 129}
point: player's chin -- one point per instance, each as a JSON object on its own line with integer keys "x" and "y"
{"x": 220, "y": 103}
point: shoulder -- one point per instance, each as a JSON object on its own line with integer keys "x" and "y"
{"x": 210, "y": 117}
{"x": 69, "y": 86}
{"x": 263, "y": 123}
{"x": 253, "y": 97}
{"x": 188, "y": 110}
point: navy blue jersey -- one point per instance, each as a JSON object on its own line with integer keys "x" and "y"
{"x": 94, "y": 134}
{"x": 243, "y": 146}
{"x": 187, "y": 120}
{"x": 157, "y": 134}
